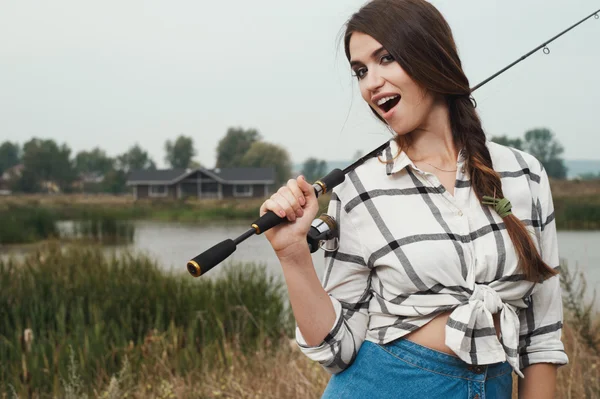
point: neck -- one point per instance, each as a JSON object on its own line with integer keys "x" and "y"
{"x": 432, "y": 141}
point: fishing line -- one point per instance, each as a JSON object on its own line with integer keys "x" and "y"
{"x": 543, "y": 46}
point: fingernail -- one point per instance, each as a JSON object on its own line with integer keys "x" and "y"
{"x": 301, "y": 200}
{"x": 282, "y": 214}
{"x": 300, "y": 212}
{"x": 302, "y": 177}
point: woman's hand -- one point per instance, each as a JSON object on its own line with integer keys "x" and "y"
{"x": 297, "y": 202}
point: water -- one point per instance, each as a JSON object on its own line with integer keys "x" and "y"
{"x": 173, "y": 244}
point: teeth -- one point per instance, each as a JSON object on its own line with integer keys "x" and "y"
{"x": 385, "y": 99}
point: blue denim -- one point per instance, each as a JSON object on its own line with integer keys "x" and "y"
{"x": 403, "y": 369}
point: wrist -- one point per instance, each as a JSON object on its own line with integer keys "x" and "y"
{"x": 293, "y": 253}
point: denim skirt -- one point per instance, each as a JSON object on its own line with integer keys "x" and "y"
{"x": 403, "y": 369}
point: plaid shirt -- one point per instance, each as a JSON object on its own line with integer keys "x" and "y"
{"x": 408, "y": 250}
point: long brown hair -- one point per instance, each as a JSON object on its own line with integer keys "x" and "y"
{"x": 420, "y": 40}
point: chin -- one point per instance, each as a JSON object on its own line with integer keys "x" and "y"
{"x": 400, "y": 129}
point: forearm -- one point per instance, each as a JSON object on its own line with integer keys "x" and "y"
{"x": 539, "y": 381}
{"x": 312, "y": 307}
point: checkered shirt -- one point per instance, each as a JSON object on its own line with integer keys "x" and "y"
{"x": 409, "y": 250}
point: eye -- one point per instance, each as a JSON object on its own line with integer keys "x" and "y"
{"x": 360, "y": 72}
{"x": 386, "y": 58}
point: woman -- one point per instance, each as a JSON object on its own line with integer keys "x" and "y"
{"x": 436, "y": 288}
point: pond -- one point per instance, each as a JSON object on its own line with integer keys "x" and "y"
{"x": 173, "y": 244}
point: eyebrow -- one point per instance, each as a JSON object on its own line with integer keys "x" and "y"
{"x": 374, "y": 54}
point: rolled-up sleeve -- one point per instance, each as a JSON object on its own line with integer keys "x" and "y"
{"x": 347, "y": 281}
{"x": 541, "y": 322}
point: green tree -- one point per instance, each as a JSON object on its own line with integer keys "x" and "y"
{"x": 135, "y": 158}
{"x": 541, "y": 144}
{"x": 505, "y": 140}
{"x": 94, "y": 161}
{"x": 313, "y": 169}
{"x": 180, "y": 153}
{"x": 45, "y": 163}
{"x": 263, "y": 154}
{"x": 114, "y": 182}
{"x": 589, "y": 176}
{"x": 28, "y": 182}
{"x": 234, "y": 146}
{"x": 9, "y": 155}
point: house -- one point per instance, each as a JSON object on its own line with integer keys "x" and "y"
{"x": 8, "y": 177}
{"x": 202, "y": 183}
{"x": 89, "y": 182}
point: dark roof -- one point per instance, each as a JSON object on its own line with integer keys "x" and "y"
{"x": 155, "y": 175}
{"x": 241, "y": 174}
{"x": 171, "y": 176}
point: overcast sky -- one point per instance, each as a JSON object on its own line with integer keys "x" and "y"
{"x": 112, "y": 73}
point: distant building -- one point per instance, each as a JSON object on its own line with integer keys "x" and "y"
{"x": 202, "y": 183}
{"x": 8, "y": 177}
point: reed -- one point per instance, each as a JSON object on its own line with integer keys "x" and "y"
{"x": 76, "y": 323}
{"x": 578, "y": 213}
{"x": 76, "y": 305}
{"x": 106, "y": 228}
{"x": 21, "y": 224}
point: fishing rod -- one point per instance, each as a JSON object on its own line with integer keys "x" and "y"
{"x": 325, "y": 227}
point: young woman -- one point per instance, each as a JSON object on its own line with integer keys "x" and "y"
{"x": 436, "y": 287}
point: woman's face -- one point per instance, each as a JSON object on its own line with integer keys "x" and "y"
{"x": 386, "y": 87}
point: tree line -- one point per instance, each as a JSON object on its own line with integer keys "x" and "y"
{"x": 44, "y": 160}
{"x": 542, "y": 144}
{"x": 44, "y": 165}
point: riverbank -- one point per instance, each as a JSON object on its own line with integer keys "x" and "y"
{"x": 77, "y": 323}
{"x": 31, "y": 218}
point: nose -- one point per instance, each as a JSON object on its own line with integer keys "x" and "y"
{"x": 373, "y": 81}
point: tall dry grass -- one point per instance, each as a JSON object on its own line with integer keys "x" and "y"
{"x": 159, "y": 362}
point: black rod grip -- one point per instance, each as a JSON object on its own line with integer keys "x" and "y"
{"x": 266, "y": 221}
{"x": 210, "y": 258}
{"x": 331, "y": 180}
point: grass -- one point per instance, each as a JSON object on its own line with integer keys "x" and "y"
{"x": 25, "y": 225}
{"x": 577, "y": 213}
{"x": 75, "y": 323}
{"x": 76, "y": 306}
{"x": 108, "y": 219}
{"x": 22, "y": 224}
{"x": 577, "y": 205}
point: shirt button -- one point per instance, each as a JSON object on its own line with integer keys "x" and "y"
{"x": 460, "y": 213}
{"x": 476, "y": 396}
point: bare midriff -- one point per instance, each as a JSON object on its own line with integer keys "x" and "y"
{"x": 433, "y": 334}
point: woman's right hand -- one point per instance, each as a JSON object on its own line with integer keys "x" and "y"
{"x": 297, "y": 202}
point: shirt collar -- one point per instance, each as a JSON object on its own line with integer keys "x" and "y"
{"x": 396, "y": 160}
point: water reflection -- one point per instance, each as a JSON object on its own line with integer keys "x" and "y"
{"x": 173, "y": 244}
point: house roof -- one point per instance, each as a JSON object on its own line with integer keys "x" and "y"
{"x": 165, "y": 175}
{"x": 241, "y": 174}
{"x": 222, "y": 175}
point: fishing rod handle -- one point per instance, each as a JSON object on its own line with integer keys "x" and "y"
{"x": 321, "y": 186}
{"x": 218, "y": 253}
{"x": 211, "y": 257}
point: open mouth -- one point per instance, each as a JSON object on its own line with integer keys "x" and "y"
{"x": 387, "y": 103}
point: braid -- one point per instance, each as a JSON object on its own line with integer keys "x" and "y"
{"x": 420, "y": 40}
{"x": 468, "y": 134}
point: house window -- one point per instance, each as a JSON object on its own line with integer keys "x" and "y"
{"x": 242, "y": 190}
{"x": 158, "y": 191}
